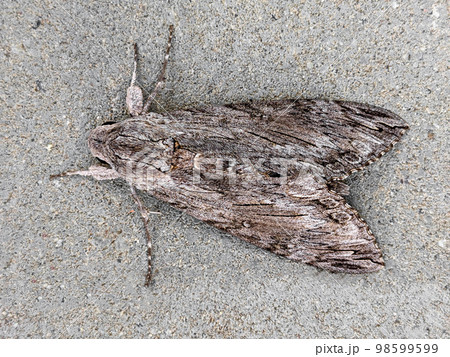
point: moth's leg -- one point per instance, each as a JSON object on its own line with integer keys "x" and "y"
{"x": 144, "y": 215}
{"x": 135, "y": 98}
{"x": 97, "y": 172}
{"x": 162, "y": 77}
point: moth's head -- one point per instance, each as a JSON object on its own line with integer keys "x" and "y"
{"x": 98, "y": 141}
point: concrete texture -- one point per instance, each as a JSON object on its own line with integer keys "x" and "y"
{"x": 72, "y": 251}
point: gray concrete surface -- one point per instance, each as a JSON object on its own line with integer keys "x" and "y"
{"x": 72, "y": 256}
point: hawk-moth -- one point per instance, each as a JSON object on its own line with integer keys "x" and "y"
{"x": 268, "y": 172}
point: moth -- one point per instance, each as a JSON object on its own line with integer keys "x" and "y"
{"x": 268, "y": 172}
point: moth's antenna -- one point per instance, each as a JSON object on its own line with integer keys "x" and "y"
{"x": 162, "y": 77}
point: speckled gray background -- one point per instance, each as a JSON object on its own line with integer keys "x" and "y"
{"x": 72, "y": 254}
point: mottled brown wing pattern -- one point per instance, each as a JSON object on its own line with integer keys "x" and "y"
{"x": 338, "y": 137}
{"x": 298, "y": 218}
{"x": 303, "y": 221}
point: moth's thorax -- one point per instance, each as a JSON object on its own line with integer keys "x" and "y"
{"x": 133, "y": 145}
{"x": 97, "y": 141}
